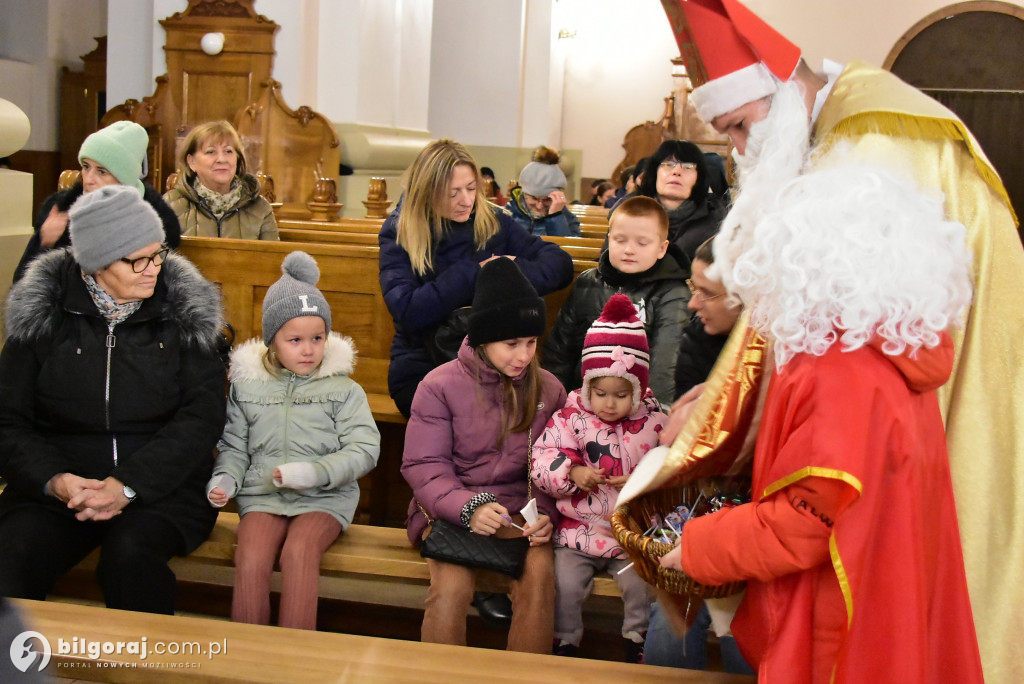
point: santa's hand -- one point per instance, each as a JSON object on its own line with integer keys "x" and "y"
{"x": 678, "y": 415}
{"x": 673, "y": 560}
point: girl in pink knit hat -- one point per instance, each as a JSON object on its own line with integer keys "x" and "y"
{"x": 583, "y": 458}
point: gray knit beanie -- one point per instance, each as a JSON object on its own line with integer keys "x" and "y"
{"x": 121, "y": 149}
{"x": 540, "y": 179}
{"x": 110, "y": 223}
{"x": 294, "y": 295}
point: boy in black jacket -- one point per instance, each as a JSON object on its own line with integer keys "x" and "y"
{"x": 640, "y": 263}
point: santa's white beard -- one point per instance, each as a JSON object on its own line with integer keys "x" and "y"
{"x": 776, "y": 153}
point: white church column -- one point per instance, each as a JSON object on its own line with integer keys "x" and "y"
{"x": 496, "y": 81}
{"x": 372, "y": 66}
{"x": 15, "y": 193}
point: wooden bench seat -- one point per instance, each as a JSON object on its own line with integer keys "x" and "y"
{"x": 233, "y": 652}
{"x": 381, "y": 553}
{"x": 349, "y": 280}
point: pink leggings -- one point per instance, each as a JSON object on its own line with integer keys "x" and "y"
{"x": 301, "y": 540}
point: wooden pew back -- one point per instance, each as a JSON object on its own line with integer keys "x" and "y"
{"x": 244, "y": 269}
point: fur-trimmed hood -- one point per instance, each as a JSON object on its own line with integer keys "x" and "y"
{"x": 247, "y": 360}
{"x": 36, "y": 304}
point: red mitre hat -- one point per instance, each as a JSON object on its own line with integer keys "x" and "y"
{"x": 731, "y": 55}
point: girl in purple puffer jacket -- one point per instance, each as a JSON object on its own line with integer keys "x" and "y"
{"x": 467, "y": 456}
{"x": 583, "y": 458}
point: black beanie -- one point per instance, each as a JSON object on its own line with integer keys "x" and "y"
{"x": 505, "y": 305}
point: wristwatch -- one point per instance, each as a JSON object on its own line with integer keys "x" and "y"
{"x": 129, "y": 493}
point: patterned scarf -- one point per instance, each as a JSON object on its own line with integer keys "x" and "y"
{"x": 219, "y": 204}
{"x": 112, "y": 311}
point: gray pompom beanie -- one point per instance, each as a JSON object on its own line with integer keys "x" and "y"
{"x": 110, "y": 223}
{"x": 121, "y": 149}
{"x": 294, "y": 295}
{"x": 540, "y": 179}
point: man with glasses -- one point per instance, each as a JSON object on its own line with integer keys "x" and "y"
{"x": 538, "y": 204}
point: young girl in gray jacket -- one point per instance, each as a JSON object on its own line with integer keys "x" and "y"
{"x": 299, "y": 435}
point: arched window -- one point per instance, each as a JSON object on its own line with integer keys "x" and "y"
{"x": 968, "y": 56}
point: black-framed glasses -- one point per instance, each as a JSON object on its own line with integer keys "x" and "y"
{"x": 701, "y": 292}
{"x": 672, "y": 163}
{"x": 142, "y": 263}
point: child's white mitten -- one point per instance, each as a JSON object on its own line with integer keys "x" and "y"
{"x": 226, "y": 483}
{"x": 300, "y": 475}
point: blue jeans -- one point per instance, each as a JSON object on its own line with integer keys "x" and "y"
{"x": 664, "y": 648}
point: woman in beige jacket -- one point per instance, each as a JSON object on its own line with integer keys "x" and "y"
{"x": 215, "y": 197}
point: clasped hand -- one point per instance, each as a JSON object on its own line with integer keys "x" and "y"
{"x": 489, "y": 517}
{"x": 95, "y": 500}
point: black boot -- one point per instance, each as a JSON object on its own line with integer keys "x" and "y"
{"x": 634, "y": 652}
{"x": 495, "y": 609}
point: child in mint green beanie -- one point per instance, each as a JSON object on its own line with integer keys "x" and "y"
{"x": 115, "y": 155}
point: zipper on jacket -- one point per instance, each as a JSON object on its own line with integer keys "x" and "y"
{"x": 220, "y": 221}
{"x": 287, "y": 410}
{"x": 111, "y": 343}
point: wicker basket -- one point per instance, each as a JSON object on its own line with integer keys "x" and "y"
{"x": 629, "y": 522}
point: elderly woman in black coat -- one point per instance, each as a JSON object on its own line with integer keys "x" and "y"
{"x": 677, "y": 176}
{"x": 111, "y": 402}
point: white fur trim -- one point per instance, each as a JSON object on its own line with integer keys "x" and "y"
{"x": 247, "y": 359}
{"x": 595, "y": 373}
{"x": 728, "y": 92}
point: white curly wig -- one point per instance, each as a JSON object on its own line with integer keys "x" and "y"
{"x": 849, "y": 252}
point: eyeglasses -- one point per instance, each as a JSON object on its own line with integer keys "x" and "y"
{"x": 672, "y": 163}
{"x": 142, "y": 263}
{"x": 701, "y": 292}
{"x": 539, "y": 200}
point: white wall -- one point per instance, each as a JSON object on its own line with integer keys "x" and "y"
{"x": 487, "y": 72}
{"x": 843, "y": 30}
{"x": 617, "y": 70}
{"x": 475, "y": 71}
{"x": 37, "y": 39}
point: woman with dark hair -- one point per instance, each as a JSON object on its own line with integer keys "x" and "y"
{"x": 492, "y": 184}
{"x": 677, "y": 176}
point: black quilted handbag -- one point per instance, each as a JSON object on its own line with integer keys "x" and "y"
{"x": 456, "y": 544}
{"x": 444, "y": 340}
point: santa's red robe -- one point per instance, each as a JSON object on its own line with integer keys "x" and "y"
{"x": 851, "y": 546}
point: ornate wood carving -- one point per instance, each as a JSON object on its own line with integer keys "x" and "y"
{"x": 209, "y": 87}
{"x": 241, "y": 9}
{"x": 376, "y": 201}
{"x": 83, "y": 99}
{"x": 290, "y": 145}
{"x": 158, "y": 115}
